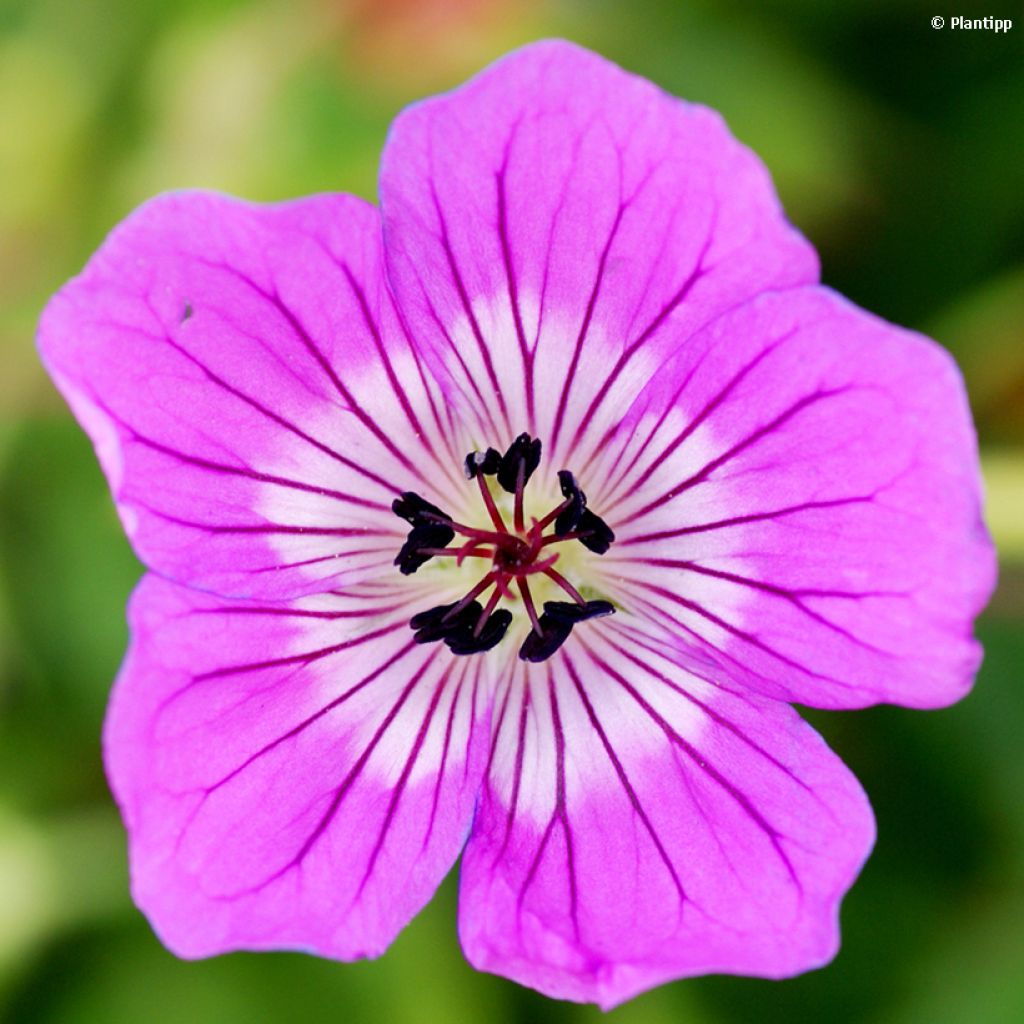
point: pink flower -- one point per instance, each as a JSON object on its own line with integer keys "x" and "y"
{"x": 785, "y": 490}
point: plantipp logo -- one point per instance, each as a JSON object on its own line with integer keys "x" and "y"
{"x": 974, "y": 24}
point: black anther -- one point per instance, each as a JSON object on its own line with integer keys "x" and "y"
{"x": 410, "y": 506}
{"x": 463, "y": 640}
{"x": 567, "y": 519}
{"x": 556, "y": 624}
{"x": 570, "y": 611}
{"x": 595, "y": 533}
{"x": 482, "y": 462}
{"x": 437, "y": 623}
{"x": 426, "y": 532}
{"x": 425, "y": 535}
{"x": 554, "y": 633}
{"x": 525, "y": 451}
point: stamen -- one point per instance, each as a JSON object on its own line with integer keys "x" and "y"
{"x": 554, "y": 574}
{"x": 422, "y": 536}
{"x": 540, "y": 644}
{"x": 430, "y": 530}
{"x": 575, "y": 502}
{"x": 594, "y": 533}
{"x": 464, "y": 641}
{"x": 524, "y": 589}
{"x": 539, "y": 524}
{"x": 465, "y": 626}
{"x": 575, "y": 535}
{"x": 411, "y": 507}
{"x": 556, "y": 624}
{"x": 485, "y": 614}
{"x": 457, "y": 553}
{"x": 474, "y": 549}
{"x": 525, "y": 451}
{"x": 436, "y": 623}
{"x": 575, "y": 613}
{"x": 520, "y": 487}
{"x": 487, "y": 581}
{"x": 468, "y": 531}
{"x": 482, "y": 462}
{"x": 492, "y": 509}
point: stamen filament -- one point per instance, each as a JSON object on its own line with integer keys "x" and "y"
{"x": 573, "y": 535}
{"x": 486, "y": 613}
{"x": 460, "y": 553}
{"x": 530, "y": 570}
{"x": 471, "y": 596}
{"x": 524, "y": 589}
{"x": 492, "y": 509}
{"x": 552, "y": 516}
{"x": 554, "y": 574}
{"x": 520, "y": 487}
{"x": 472, "y": 550}
{"x": 468, "y": 531}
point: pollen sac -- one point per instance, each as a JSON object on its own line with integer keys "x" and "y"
{"x": 568, "y": 519}
{"x": 595, "y": 533}
{"x": 464, "y": 640}
{"x": 570, "y": 611}
{"x": 556, "y": 624}
{"x": 482, "y": 462}
{"x": 428, "y": 535}
{"x": 437, "y": 623}
{"x": 523, "y": 451}
{"x": 426, "y": 532}
{"x": 410, "y": 507}
{"x": 539, "y": 647}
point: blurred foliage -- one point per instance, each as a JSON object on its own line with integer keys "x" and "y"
{"x": 896, "y": 148}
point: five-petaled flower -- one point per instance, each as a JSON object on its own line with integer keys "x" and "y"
{"x": 506, "y": 521}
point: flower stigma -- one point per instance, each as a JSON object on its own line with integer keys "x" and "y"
{"x": 515, "y": 554}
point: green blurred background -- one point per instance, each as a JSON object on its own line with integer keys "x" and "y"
{"x": 898, "y": 149}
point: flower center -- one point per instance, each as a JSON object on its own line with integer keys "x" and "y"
{"x": 514, "y": 553}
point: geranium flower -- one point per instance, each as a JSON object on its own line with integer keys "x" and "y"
{"x": 507, "y": 521}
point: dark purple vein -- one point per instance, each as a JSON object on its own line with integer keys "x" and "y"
{"x": 279, "y": 420}
{"x": 753, "y": 517}
{"x": 511, "y": 282}
{"x": 302, "y": 726}
{"x": 624, "y": 781}
{"x": 403, "y": 780}
{"x": 342, "y": 790}
{"x": 634, "y": 346}
{"x": 460, "y": 287}
{"x": 740, "y": 634}
{"x": 581, "y": 336}
{"x": 807, "y": 402}
{"x": 705, "y": 413}
{"x": 701, "y": 762}
{"x": 326, "y": 368}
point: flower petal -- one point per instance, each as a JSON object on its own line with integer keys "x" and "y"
{"x": 798, "y": 495}
{"x": 292, "y": 775}
{"x": 641, "y": 824}
{"x": 546, "y": 221}
{"x": 251, "y": 400}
